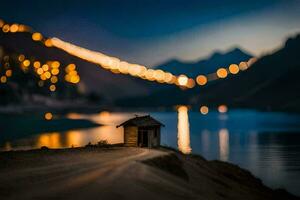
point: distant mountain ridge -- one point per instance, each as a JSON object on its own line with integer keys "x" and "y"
{"x": 272, "y": 83}
{"x": 205, "y": 66}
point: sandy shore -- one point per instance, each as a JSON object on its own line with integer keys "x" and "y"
{"x": 124, "y": 173}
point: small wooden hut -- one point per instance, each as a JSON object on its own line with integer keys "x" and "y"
{"x": 142, "y": 131}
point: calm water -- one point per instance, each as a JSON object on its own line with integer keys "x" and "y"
{"x": 267, "y": 144}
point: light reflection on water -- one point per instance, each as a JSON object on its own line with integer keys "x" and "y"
{"x": 183, "y": 130}
{"x": 224, "y": 144}
{"x": 76, "y": 138}
{"x": 267, "y": 144}
{"x": 50, "y": 140}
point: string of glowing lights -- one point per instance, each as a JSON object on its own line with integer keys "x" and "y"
{"x": 222, "y": 73}
{"x": 115, "y": 65}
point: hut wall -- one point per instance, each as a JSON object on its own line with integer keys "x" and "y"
{"x": 154, "y": 137}
{"x": 158, "y": 137}
{"x": 151, "y": 138}
{"x": 130, "y": 136}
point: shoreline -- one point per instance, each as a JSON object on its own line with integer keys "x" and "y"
{"x": 40, "y": 125}
{"x": 192, "y": 175}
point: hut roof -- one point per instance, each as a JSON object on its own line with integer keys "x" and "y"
{"x": 141, "y": 121}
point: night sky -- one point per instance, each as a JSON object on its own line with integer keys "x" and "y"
{"x": 150, "y": 32}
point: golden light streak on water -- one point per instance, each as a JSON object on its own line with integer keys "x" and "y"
{"x": 50, "y": 140}
{"x": 75, "y": 139}
{"x": 183, "y": 130}
{"x": 224, "y": 144}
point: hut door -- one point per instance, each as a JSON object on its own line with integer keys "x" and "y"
{"x": 143, "y": 138}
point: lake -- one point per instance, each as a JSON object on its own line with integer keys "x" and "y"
{"x": 267, "y": 144}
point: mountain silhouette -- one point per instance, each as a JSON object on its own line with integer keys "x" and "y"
{"x": 272, "y": 83}
{"x": 207, "y": 65}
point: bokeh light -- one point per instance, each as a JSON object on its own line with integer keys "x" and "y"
{"x": 222, "y": 73}
{"x": 204, "y": 110}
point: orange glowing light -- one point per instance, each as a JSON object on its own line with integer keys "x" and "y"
{"x": 40, "y": 71}
{"x": 43, "y": 77}
{"x": 123, "y": 67}
{"x": 251, "y": 61}
{"x": 149, "y": 74}
{"x": 21, "y": 58}
{"x": 73, "y": 73}
{"x": 23, "y": 28}
{"x": 37, "y": 36}
{"x": 54, "y": 79}
{"x": 14, "y": 28}
{"x": 47, "y": 75}
{"x": 190, "y": 83}
{"x": 5, "y": 28}
{"x": 37, "y": 64}
{"x": 104, "y": 114}
{"x": 168, "y": 77}
{"x": 204, "y": 110}
{"x": 26, "y": 63}
{"x": 182, "y": 80}
{"x": 48, "y": 43}
{"x": 55, "y": 64}
{"x": 55, "y": 71}
{"x": 1, "y": 23}
{"x": 182, "y": 109}
{"x": 67, "y": 77}
{"x": 70, "y": 67}
{"x": 3, "y": 79}
{"x": 45, "y": 67}
{"x": 48, "y": 116}
{"x": 159, "y": 75}
{"x": 52, "y": 88}
{"x": 222, "y": 73}
{"x": 222, "y": 109}
{"x": 8, "y": 73}
{"x": 75, "y": 79}
{"x": 243, "y": 66}
{"x": 234, "y": 69}
{"x": 201, "y": 80}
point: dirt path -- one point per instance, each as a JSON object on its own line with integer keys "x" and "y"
{"x": 88, "y": 174}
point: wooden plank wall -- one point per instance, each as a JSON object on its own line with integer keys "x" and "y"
{"x": 130, "y": 136}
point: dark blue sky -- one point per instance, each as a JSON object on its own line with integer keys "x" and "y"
{"x": 151, "y": 31}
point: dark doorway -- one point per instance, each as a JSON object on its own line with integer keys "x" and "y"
{"x": 143, "y": 138}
